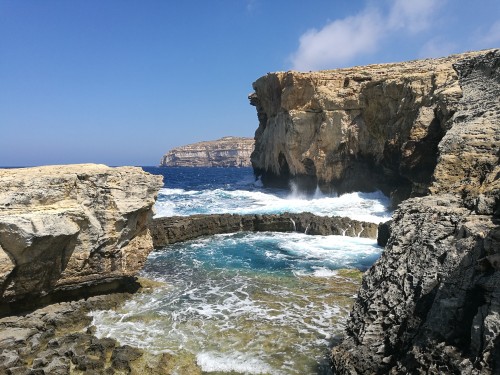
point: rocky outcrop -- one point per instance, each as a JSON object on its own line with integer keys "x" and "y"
{"x": 382, "y": 122}
{"x": 72, "y": 227}
{"x": 224, "y": 152}
{"x": 59, "y": 339}
{"x": 169, "y": 230}
{"x": 431, "y": 303}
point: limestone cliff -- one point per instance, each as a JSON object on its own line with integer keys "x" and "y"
{"x": 382, "y": 122}
{"x": 72, "y": 226}
{"x": 431, "y": 303}
{"x": 224, "y": 152}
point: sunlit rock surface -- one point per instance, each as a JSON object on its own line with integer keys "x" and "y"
{"x": 224, "y": 152}
{"x": 361, "y": 128}
{"x": 72, "y": 227}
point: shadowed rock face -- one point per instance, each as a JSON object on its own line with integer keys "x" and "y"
{"x": 382, "y": 123}
{"x": 70, "y": 227}
{"x": 169, "y": 230}
{"x": 431, "y": 303}
{"x": 224, "y": 152}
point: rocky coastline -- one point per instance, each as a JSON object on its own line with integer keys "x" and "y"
{"x": 224, "y": 152}
{"x": 427, "y": 133}
{"x": 431, "y": 303}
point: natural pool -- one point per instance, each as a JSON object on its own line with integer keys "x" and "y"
{"x": 245, "y": 303}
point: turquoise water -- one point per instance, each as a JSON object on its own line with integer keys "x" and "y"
{"x": 247, "y": 303}
{"x": 253, "y": 303}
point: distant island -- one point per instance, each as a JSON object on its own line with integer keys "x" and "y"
{"x": 224, "y": 152}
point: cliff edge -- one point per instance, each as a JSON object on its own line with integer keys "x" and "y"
{"x": 431, "y": 303}
{"x": 383, "y": 122}
{"x": 224, "y": 152}
{"x": 428, "y": 134}
{"x": 72, "y": 227}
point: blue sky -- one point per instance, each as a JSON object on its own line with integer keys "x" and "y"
{"x": 121, "y": 82}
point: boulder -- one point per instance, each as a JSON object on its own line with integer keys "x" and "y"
{"x": 72, "y": 227}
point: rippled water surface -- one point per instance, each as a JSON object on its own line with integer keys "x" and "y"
{"x": 247, "y": 303}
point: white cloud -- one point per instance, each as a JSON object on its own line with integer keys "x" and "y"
{"x": 342, "y": 40}
{"x": 437, "y": 47}
{"x": 339, "y": 41}
{"x": 412, "y": 16}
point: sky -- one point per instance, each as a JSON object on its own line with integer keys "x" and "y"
{"x": 121, "y": 82}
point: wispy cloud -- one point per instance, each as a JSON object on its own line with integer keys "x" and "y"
{"x": 251, "y": 4}
{"x": 343, "y": 40}
{"x": 489, "y": 38}
{"x": 437, "y": 47}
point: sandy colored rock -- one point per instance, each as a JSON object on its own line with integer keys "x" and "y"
{"x": 72, "y": 225}
{"x": 383, "y": 122}
{"x": 224, "y": 152}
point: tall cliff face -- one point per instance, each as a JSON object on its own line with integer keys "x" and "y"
{"x": 73, "y": 226}
{"x": 431, "y": 303}
{"x": 224, "y": 152}
{"x": 383, "y": 122}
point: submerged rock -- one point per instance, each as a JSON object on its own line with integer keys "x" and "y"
{"x": 72, "y": 230}
{"x": 169, "y": 230}
{"x": 224, "y": 152}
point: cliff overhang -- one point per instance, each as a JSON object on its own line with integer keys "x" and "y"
{"x": 367, "y": 128}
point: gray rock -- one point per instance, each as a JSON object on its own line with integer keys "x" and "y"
{"x": 169, "y": 230}
{"x": 431, "y": 303}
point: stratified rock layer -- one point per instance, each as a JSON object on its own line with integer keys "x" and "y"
{"x": 382, "y": 122}
{"x": 431, "y": 303}
{"x": 72, "y": 227}
{"x": 224, "y": 152}
{"x": 169, "y": 230}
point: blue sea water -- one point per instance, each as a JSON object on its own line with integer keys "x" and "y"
{"x": 247, "y": 303}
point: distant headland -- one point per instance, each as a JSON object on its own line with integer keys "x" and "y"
{"x": 224, "y": 152}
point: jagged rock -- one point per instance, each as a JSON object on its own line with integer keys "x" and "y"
{"x": 431, "y": 303}
{"x": 72, "y": 227}
{"x": 224, "y": 152}
{"x": 382, "y": 122}
{"x": 169, "y": 230}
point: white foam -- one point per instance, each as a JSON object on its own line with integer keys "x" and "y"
{"x": 233, "y": 362}
{"x": 370, "y": 207}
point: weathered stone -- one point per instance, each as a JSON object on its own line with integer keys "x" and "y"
{"x": 381, "y": 122}
{"x": 224, "y": 152}
{"x": 63, "y": 227}
{"x": 169, "y": 230}
{"x": 431, "y": 303}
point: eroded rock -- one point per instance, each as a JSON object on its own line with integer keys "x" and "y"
{"x": 431, "y": 303}
{"x": 65, "y": 227}
{"x": 169, "y": 230}
{"x": 382, "y": 122}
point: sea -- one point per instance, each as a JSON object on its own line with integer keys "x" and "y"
{"x": 247, "y": 303}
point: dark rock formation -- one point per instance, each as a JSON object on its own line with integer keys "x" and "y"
{"x": 224, "y": 152}
{"x": 431, "y": 303}
{"x": 382, "y": 122}
{"x": 58, "y": 340}
{"x": 168, "y": 230}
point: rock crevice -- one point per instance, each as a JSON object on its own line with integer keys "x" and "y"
{"x": 431, "y": 303}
